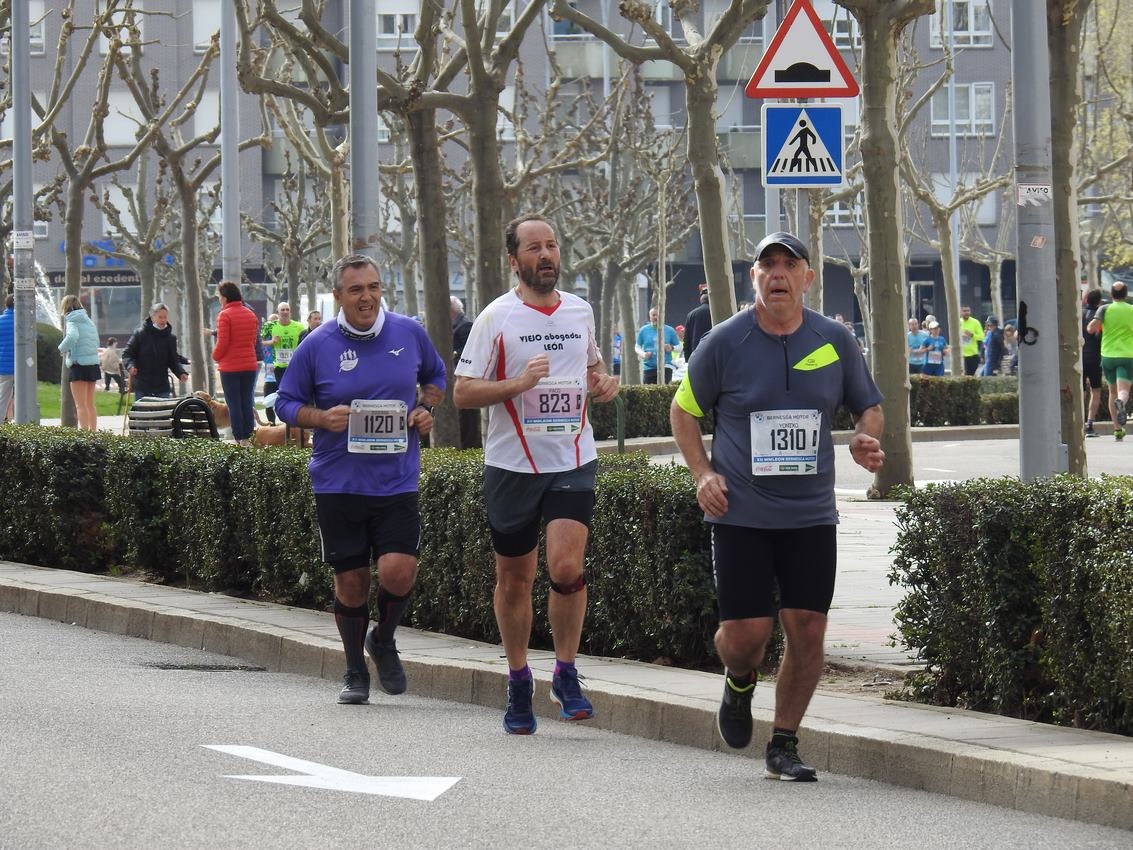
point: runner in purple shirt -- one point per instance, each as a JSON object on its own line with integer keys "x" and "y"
{"x": 366, "y": 382}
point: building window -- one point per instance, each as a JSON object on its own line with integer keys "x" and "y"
{"x": 660, "y": 101}
{"x": 842, "y": 214}
{"x": 37, "y": 30}
{"x": 975, "y": 114}
{"x": 397, "y": 20}
{"x": 120, "y": 128}
{"x": 505, "y": 126}
{"x": 842, "y": 26}
{"x": 971, "y": 24}
{"x": 383, "y": 129}
{"x": 207, "y": 114}
{"x": 206, "y": 22}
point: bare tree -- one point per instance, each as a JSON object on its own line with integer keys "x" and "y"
{"x": 881, "y": 23}
{"x": 295, "y": 231}
{"x": 697, "y": 62}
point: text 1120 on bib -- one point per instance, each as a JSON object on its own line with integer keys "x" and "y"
{"x": 377, "y": 426}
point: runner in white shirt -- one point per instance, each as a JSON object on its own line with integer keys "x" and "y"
{"x": 531, "y": 359}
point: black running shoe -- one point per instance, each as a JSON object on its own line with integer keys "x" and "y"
{"x": 391, "y": 675}
{"x": 783, "y": 762}
{"x": 733, "y": 720}
{"x": 1090, "y": 432}
{"x": 519, "y": 718}
{"x": 355, "y": 688}
{"x": 1122, "y": 416}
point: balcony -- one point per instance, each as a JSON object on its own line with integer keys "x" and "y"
{"x": 740, "y": 145}
{"x": 739, "y": 62}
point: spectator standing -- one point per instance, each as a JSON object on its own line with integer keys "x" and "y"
{"x": 461, "y": 328}
{"x": 1092, "y": 359}
{"x": 916, "y": 339}
{"x": 647, "y": 346}
{"x": 314, "y": 319}
{"x": 235, "y": 356}
{"x": 111, "y": 363}
{"x": 7, "y": 358}
{"x": 80, "y": 354}
{"x": 971, "y": 336}
{"x": 616, "y": 355}
{"x": 151, "y": 354}
{"x": 992, "y": 347}
{"x": 697, "y": 323}
{"x": 1011, "y": 349}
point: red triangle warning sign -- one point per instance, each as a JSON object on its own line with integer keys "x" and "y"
{"x": 802, "y": 61}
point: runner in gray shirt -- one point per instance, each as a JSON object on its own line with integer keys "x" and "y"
{"x": 774, "y": 376}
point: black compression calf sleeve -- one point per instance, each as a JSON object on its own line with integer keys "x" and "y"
{"x": 352, "y": 624}
{"x": 390, "y": 611}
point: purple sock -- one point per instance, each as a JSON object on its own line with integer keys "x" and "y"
{"x": 565, "y": 667}
{"x": 523, "y": 675}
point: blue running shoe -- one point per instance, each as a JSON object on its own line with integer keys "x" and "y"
{"x": 566, "y": 691}
{"x": 519, "y": 718}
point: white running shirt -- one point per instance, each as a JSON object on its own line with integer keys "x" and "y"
{"x": 504, "y": 337}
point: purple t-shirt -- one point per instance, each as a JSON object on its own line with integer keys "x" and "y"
{"x": 329, "y": 368}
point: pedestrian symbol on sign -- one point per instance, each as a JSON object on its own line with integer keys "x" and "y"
{"x": 796, "y": 156}
{"x": 802, "y": 145}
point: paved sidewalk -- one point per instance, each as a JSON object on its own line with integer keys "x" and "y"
{"x": 1027, "y": 766}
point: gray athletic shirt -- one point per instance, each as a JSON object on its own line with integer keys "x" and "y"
{"x": 739, "y": 370}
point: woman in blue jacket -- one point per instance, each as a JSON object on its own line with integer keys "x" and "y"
{"x": 80, "y": 352}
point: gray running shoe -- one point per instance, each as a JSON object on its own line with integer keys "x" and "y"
{"x": 784, "y": 763}
{"x": 355, "y": 688}
{"x": 1122, "y": 416}
{"x": 391, "y": 675}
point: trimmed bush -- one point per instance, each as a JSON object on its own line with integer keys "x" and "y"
{"x": 1020, "y": 598}
{"x": 1000, "y": 408}
{"x": 944, "y": 401}
{"x": 220, "y": 518}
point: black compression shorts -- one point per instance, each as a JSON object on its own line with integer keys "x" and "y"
{"x": 749, "y": 562}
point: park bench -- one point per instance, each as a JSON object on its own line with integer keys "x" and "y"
{"x": 171, "y": 417}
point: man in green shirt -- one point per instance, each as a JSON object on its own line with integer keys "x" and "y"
{"x": 285, "y": 339}
{"x": 971, "y": 333}
{"x": 1115, "y": 323}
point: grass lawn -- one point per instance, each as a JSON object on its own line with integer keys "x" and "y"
{"x": 105, "y": 403}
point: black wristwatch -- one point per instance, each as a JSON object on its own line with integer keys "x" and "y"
{"x": 428, "y": 407}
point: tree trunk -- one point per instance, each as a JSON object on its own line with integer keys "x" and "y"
{"x": 190, "y": 339}
{"x": 625, "y": 287}
{"x": 815, "y": 296}
{"x": 147, "y": 277}
{"x": 605, "y": 323}
{"x": 1064, "y": 27}
{"x": 880, "y": 159}
{"x": 711, "y": 196}
{"x": 432, "y": 246}
{"x": 409, "y": 289}
{"x": 940, "y": 220}
{"x": 488, "y": 190}
{"x": 294, "y": 272}
{"x": 339, "y": 211}
{"x": 73, "y": 246}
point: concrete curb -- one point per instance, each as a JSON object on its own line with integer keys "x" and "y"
{"x": 1061, "y": 772}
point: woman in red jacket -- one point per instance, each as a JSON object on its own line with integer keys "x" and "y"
{"x": 237, "y": 329}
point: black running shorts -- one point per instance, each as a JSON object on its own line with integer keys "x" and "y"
{"x": 1092, "y": 371}
{"x": 517, "y": 501}
{"x": 357, "y": 530}
{"x": 749, "y": 562}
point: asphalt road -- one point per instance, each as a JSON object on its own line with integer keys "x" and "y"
{"x": 104, "y": 744}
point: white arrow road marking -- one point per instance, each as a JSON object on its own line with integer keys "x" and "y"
{"x": 317, "y": 775}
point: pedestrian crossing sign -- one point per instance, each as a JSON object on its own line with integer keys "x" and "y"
{"x": 803, "y": 145}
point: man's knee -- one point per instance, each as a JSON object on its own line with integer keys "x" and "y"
{"x": 747, "y": 637}
{"x": 805, "y": 630}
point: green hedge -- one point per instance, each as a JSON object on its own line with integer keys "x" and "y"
{"x": 932, "y": 402}
{"x": 219, "y": 518}
{"x": 1020, "y": 598}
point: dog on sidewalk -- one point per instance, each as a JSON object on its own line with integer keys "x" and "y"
{"x": 265, "y": 434}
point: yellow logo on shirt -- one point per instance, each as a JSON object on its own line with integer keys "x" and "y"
{"x": 817, "y": 359}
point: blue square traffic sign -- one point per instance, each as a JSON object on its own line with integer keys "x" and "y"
{"x": 803, "y": 145}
